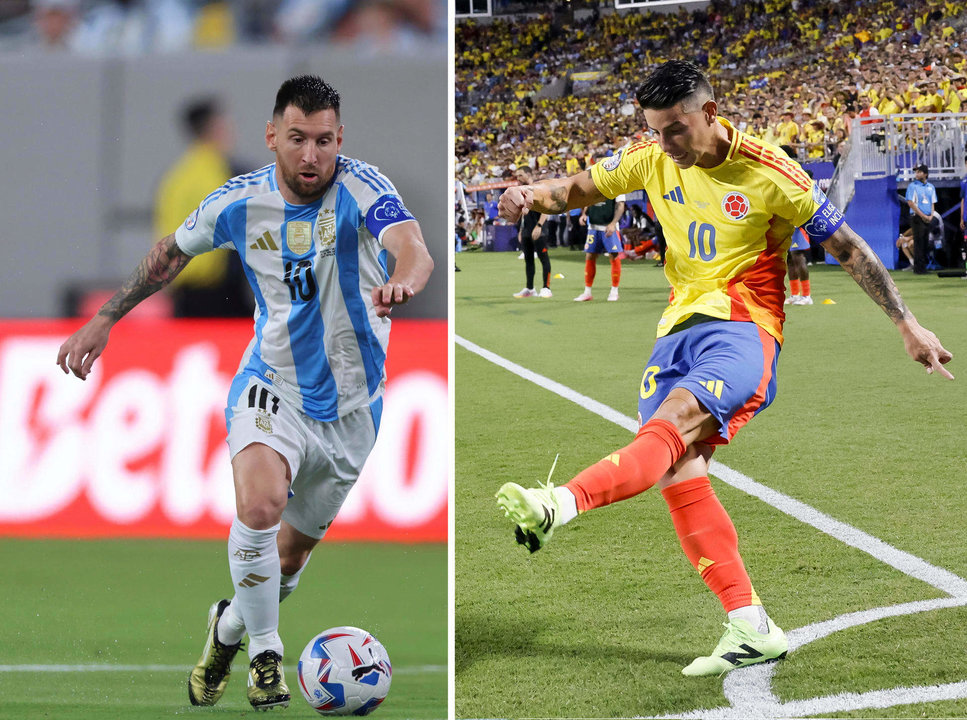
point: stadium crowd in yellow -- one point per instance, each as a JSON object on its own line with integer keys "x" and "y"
{"x": 790, "y": 71}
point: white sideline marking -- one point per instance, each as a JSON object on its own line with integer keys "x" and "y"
{"x": 598, "y": 408}
{"x": 904, "y": 562}
{"x": 409, "y": 670}
{"x": 749, "y": 691}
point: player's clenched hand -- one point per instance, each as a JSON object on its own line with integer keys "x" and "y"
{"x": 924, "y": 347}
{"x": 390, "y": 294}
{"x": 81, "y": 349}
{"x": 514, "y": 202}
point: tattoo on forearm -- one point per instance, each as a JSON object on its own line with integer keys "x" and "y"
{"x": 861, "y": 262}
{"x": 158, "y": 269}
{"x": 556, "y": 202}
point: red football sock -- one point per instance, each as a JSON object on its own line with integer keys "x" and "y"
{"x": 794, "y": 287}
{"x": 708, "y": 538}
{"x": 805, "y": 288}
{"x": 630, "y": 470}
{"x": 590, "y": 269}
{"x": 615, "y": 271}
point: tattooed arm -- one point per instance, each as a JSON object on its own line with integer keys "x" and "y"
{"x": 162, "y": 264}
{"x": 861, "y": 262}
{"x": 550, "y": 197}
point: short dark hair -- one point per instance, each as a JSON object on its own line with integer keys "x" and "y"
{"x": 309, "y": 93}
{"x": 198, "y": 114}
{"x": 672, "y": 82}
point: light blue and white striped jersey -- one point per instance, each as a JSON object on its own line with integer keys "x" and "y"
{"x": 312, "y": 269}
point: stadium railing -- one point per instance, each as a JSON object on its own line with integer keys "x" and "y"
{"x": 893, "y": 145}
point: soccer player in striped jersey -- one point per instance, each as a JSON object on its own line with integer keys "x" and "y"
{"x": 312, "y": 230}
{"x": 731, "y": 202}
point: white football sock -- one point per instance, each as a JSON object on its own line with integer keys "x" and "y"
{"x": 253, "y": 557}
{"x": 231, "y": 627}
{"x": 289, "y": 582}
{"x": 755, "y": 615}
{"x": 567, "y": 504}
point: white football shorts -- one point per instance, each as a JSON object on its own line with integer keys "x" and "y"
{"x": 325, "y": 458}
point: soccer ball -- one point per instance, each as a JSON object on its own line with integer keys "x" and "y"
{"x": 344, "y": 671}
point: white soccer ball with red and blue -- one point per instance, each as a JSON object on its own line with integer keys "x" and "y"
{"x": 344, "y": 671}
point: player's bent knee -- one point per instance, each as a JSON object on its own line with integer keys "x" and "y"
{"x": 683, "y": 410}
{"x": 259, "y": 513}
{"x": 261, "y": 485}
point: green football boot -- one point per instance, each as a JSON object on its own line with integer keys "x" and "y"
{"x": 741, "y": 645}
{"x": 208, "y": 679}
{"x": 266, "y": 681}
{"x": 533, "y": 510}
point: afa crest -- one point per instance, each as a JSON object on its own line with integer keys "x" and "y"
{"x": 326, "y": 231}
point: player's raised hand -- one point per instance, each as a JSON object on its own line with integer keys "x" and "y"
{"x": 514, "y": 202}
{"x": 81, "y": 349}
{"x": 390, "y": 294}
{"x": 924, "y": 347}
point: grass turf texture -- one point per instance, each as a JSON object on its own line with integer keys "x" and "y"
{"x": 600, "y": 623}
{"x": 146, "y": 602}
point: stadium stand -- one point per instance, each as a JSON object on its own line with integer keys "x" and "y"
{"x": 555, "y": 89}
{"x": 522, "y": 81}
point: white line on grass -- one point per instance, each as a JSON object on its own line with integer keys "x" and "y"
{"x": 749, "y": 691}
{"x": 903, "y": 561}
{"x": 406, "y": 670}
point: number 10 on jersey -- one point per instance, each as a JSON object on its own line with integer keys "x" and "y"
{"x": 299, "y": 278}
{"x": 701, "y": 240}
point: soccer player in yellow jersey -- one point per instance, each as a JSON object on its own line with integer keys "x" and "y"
{"x": 730, "y": 205}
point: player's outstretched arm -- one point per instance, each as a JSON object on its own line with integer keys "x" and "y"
{"x": 159, "y": 267}
{"x": 413, "y": 267}
{"x": 550, "y": 197}
{"x": 859, "y": 260}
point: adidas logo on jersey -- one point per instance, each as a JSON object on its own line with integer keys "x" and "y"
{"x": 264, "y": 242}
{"x": 713, "y": 386}
{"x": 675, "y": 196}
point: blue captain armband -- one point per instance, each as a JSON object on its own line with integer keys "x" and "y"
{"x": 387, "y": 210}
{"x": 825, "y": 221}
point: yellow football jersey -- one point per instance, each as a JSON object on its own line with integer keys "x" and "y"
{"x": 728, "y": 228}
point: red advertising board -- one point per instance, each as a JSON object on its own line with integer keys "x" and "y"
{"x": 138, "y": 449}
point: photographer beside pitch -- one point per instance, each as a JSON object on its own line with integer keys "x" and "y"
{"x": 304, "y": 409}
{"x": 713, "y": 366}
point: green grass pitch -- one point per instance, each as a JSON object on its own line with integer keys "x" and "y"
{"x": 145, "y": 603}
{"x": 601, "y": 621}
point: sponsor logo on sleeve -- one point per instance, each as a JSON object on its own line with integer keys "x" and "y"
{"x": 819, "y": 197}
{"x": 390, "y": 210}
{"x": 612, "y": 162}
{"x": 191, "y": 220}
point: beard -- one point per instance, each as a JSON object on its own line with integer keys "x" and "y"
{"x": 308, "y": 190}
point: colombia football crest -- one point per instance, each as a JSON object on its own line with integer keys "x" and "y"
{"x": 735, "y": 205}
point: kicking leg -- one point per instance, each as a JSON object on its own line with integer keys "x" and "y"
{"x": 679, "y": 421}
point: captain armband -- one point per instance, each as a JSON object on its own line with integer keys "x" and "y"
{"x": 824, "y": 222}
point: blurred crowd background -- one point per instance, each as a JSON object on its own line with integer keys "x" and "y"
{"x": 133, "y": 27}
{"x": 554, "y": 89}
{"x": 127, "y": 113}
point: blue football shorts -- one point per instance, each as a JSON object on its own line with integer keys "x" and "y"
{"x": 729, "y": 366}
{"x": 800, "y": 241}
{"x": 598, "y": 242}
